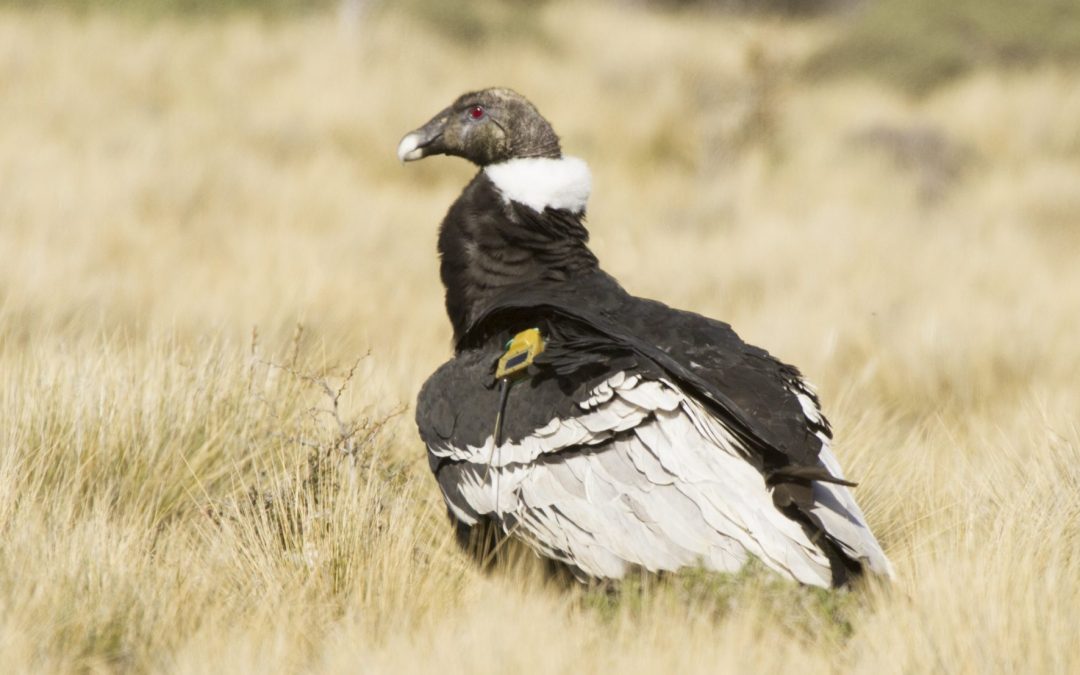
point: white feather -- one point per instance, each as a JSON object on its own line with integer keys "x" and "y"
{"x": 675, "y": 492}
{"x": 835, "y": 506}
{"x": 609, "y": 414}
{"x": 541, "y": 183}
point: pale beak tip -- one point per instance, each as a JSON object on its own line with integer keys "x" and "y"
{"x": 409, "y": 149}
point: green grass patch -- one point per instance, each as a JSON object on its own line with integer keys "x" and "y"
{"x": 804, "y": 612}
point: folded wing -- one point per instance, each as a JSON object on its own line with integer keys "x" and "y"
{"x": 642, "y": 475}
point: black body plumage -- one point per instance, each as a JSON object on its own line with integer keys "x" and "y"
{"x": 489, "y": 246}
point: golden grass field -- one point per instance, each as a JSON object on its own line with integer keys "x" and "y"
{"x": 177, "y": 195}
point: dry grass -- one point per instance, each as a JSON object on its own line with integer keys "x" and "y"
{"x": 165, "y": 187}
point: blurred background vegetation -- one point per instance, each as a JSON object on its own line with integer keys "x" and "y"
{"x": 916, "y": 45}
{"x": 920, "y": 44}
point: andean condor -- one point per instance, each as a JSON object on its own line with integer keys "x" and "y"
{"x": 606, "y": 431}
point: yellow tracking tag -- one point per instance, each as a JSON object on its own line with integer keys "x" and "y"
{"x": 520, "y": 352}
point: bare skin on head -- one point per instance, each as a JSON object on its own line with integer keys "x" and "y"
{"x": 485, "y": 127}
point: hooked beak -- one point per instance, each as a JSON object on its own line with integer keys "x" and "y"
{"x": 427, "y": 140}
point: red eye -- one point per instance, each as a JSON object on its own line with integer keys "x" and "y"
{"x": 476, "y": 112}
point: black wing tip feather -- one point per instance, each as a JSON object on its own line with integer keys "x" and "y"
{"x": 804, "y": 474}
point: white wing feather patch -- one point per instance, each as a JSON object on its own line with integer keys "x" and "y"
{"x": 645, "y": 476}
{"x": 835, "y": 506}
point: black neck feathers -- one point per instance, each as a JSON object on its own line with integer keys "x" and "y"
{"x": 489, "y": 245}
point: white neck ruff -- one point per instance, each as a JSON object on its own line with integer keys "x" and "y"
{"x": 540, "y": 183}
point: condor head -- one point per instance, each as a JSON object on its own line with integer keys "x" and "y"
{"x": 485, "y": 127}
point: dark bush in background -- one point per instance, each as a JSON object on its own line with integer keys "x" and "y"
{"x": 921, "y": 44}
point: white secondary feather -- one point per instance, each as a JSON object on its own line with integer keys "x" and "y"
{"x": 673, "y": 492}
{"x": 604, "y": 415}
{"x": 541, "y": 183}
{"x": 835, "y": 506}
